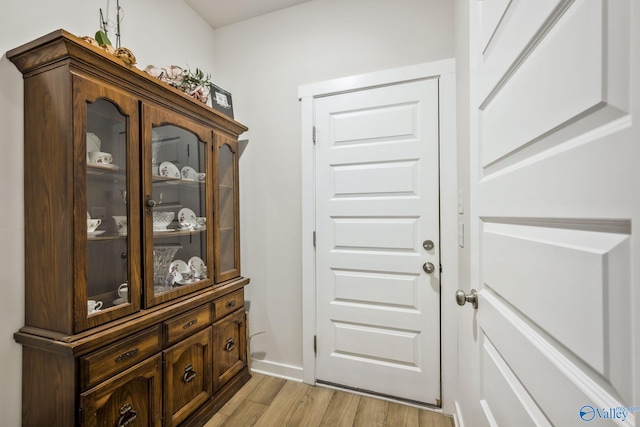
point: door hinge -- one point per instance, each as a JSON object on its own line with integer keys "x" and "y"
{"x": 315, "y": 344}
{"x": 80, "y": 416}
{"x": 314, "y": 135}
{"x": 314, "y": 239}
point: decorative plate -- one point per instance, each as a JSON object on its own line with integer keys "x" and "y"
{"x": 187, "y": 216}
{"x": 178, "y": 266}
{"x": 189, "y": 173}
{"x": 198, "y": 266}
{"x": 169, "y": 170}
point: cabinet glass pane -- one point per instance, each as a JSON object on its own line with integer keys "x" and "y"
{"x": 107, "y": 263}
{"x": 226, "y": 208}
{"x": 179, "y": 214}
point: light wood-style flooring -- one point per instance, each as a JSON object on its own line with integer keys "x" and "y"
{"x": 269, "y": 401}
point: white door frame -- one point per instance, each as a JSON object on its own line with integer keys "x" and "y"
{"x": 445, "y": 71}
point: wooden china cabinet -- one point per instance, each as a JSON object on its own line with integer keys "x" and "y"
{"x": 136, "y": 316}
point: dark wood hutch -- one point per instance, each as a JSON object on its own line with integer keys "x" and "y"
{"x": 141, "y": 320}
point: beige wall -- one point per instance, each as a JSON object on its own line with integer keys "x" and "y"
{"x": 158, "y": 32}
{"x": 262, "y": 62}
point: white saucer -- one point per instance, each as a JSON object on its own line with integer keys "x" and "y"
{"x": 109, "y": 166}
{"x": 197, "y": 264}
{"x": 95, "y": 233}
{"x": 168, "y": 169}
{"x": 189, "y": 173}
{"x": 186, "y": 282}
{"x": 119, "y": 301}
{"x": 187, "y": 216}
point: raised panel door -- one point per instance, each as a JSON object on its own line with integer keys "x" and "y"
{"x": 554, "y": 238}
{"x": 229, "y": 348}
{"x": 187, "y": 377}
{"x": 377, "y": 204}
{"x": 131, "y": 398}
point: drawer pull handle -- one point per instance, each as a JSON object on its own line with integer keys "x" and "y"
{"x": 231, "y": 304}
{"x": 190, "y": 323}
{"x": 189, "y": 374}
{"x": 127, "y": 355}
{"x": 127, "y": 415}
{"x": 230, "y": 345}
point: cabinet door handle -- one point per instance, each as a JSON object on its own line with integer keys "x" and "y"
{"x": 190, "y": 323}
{"x": 150, "y": 203}
{"x": 230, "y": 345}
{"x": 231, "y": 304}
{"x": 127, "y": 415}
{"x": 127, "y": 355}
{"x": 189, "y": 373}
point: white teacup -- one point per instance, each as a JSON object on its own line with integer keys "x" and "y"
{"x": 121, "y": 223}
{"x": 92, "y": 224}
{"x": 201, "y": 176}
{"x": 201, "y": 221}
{"x": 93, "y": 306}
{"x": 100, "y": 157}
{"x": 123, "y": 291}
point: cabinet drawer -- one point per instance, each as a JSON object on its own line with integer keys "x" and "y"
{"x": 119, "y": 356}
{"x": 228, "y": 303}
{"x": 188, "y": 323}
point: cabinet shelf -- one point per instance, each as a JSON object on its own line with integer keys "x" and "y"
{"x": 103, "y": 238}
{"x": 160, "y": 180}
{"x": 177, "y": 232}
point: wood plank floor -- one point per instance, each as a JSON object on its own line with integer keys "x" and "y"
{"x": 274, "y": 402}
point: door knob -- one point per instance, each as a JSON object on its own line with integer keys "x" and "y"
{"x": 428, "y": 267}
{"x": 427, "y": 245}
{"x": 471, "y": 297}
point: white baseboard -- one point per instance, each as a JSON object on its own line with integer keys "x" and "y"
{"x": 274, "y": 369}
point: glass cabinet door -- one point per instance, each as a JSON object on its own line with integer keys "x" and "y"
{"x": 227, "y": 203}
{"x": 178, "y": 205}
{"x": 107, "y": 149}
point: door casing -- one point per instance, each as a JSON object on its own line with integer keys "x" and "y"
{"x": 445, "y": 71}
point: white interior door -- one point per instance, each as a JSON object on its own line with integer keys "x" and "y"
{"x": 555, "y": 215}
{"x": 378, "y": 318}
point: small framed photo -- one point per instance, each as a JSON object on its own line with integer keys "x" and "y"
{"x": 221, "y": 100}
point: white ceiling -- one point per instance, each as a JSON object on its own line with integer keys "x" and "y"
{"x": 224, "y": 12}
